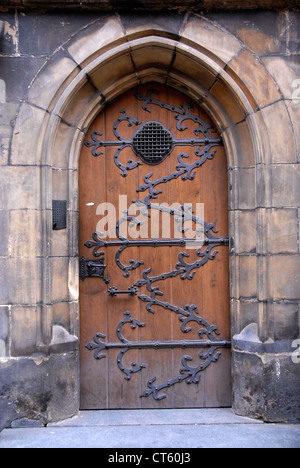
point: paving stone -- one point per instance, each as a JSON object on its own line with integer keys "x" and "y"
{"x": 203, "y": 429}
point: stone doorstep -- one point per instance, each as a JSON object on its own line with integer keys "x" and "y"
{"x": 140, "y": 417}
{"x": 153, "y": 417}
{"x": 174, "y": 429}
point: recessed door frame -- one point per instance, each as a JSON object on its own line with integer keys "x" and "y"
{"x": 60, "y": 146}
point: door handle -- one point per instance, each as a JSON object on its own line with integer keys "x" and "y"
{"x": 113, "y": 291}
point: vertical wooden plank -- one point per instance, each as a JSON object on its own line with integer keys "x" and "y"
{"x": 92, "y": 308}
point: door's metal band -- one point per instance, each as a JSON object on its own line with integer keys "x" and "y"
{"x": 208, "y": 242}
{"x": 189, "y": 374}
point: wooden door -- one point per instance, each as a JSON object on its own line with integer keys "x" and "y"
{"x": 154, "y": 289}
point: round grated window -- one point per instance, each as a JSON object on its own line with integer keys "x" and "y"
{"x": 153, "y": 142}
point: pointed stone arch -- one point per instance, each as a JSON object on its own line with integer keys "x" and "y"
{"x": 216, "y": 70}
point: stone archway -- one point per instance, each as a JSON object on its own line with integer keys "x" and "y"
{"x": 213, "y": 68}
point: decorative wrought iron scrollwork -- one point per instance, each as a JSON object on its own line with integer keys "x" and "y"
{"x": 183, "y": 170}
{"x": 152, "y": 142}
{"x": 207, "y": 242}
{"x": 187, "y": 373}
{"x": 191, "y": 375}
{"x": 186, "y": 315}
{"x": 183, "y": 112}
{"x": 122, "y": 143}
{"x": 145, "y": 145}
{"x": 98, "y": 346}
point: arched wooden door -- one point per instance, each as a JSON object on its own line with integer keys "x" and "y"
{"x": 154, "y": 289}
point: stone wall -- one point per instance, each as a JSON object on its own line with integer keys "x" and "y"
{"x": 57, "y": 71}
{"x": 140, "y": 5}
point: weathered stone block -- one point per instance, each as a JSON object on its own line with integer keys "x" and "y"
{"x": 59, "y": 70}
{"x": 25, "y": 422}
{"x": 28, "y": 126}
{"x": 112, "y": 70}
{"x": 62, "y": 341}
{"x": 61, "y": 314}
{"x": 43, "y": 389}
{"x": 246, "y": 188}
{"x": 60, "y": 243}
{"x": 21, "y": 281}
{"x": 284, "y": 70}
{"x": 288, "y": 31}
{"x": 281, "y": 387}
{"x": 286, "y": 321}
{"x": 247, "y": 240}
{"x": 248, "y": 395}
{"x": 19, "y": 188}
{"x": 266, "y": 386}
{"x": 285, "y": 276}
{"x": 168, "y": 25}
{"x": 11, "y": 68}
{"x": 4, "y": 233}
{"x": 206, "y": 35}
{"x": 248, "y": 276}
{"x": 247, "y": 312}
{"x": 63, "y": 146}
{"x": 198, "y": 72}
{"x": 153, "y": 55}
{"x": 230, "y": 107}
{"x": 247, "y": 69}
{"x": 283, "y": 231}
{"x": 5, "y": 136}
{"x": 258, "y": 41}
{"x": 60, "y": 28}
{"x": 281, "y": 141}
{"x": 25, "y": 322}
{"x": 8, "y": 33}
{"x": 239, "y": 137}
{"x": 25, "y": 233}
{"x": 4, "y": 330}
{"x": 8, "y": 114}
{"x": 96, "y": 38}
{"x": 286, "y": 185}
{"x": 60, "y": 275}
{"x": 85, "y": 98}
{"x": 294, "y": 112}
{"x": 60, "y": 186}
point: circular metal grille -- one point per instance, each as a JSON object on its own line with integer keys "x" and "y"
{"x": 153, "y": 142}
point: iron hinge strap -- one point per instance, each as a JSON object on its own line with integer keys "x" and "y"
{"x": 197, "y": 242}
{"x": 183, "y": 344}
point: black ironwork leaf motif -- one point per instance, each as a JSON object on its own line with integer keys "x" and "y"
{"x": 152, "y": 143}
